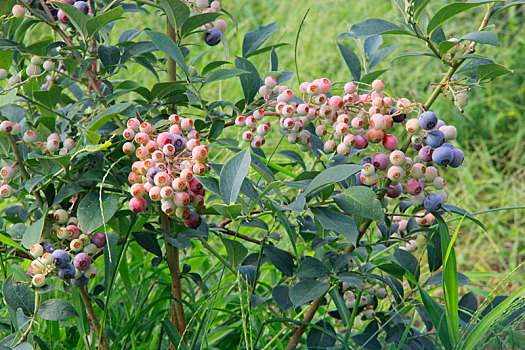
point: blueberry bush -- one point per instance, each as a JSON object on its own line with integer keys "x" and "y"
{"x": 141, "y": 216}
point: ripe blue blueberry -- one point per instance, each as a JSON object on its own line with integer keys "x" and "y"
{"x": 442, "y": 156}
{"x": 213, "y": 37}
{"x": 433, "y": 202}
{"x": 179, "y": 143}
{"x": 458, "y": 158}
{"x": 82, "y": 6}
{"x": 80, "y": 282}
{"x": 435, "y": 138}
{"x": 61, "y": 258}
{"x": 358, "y": 181}
{"x": 428, "y": 120}
{"x": 449, "y": 145}
{"x": 48, "y": 247}
{"x": 67, "y": 272}
{"x": 366, "y": 160}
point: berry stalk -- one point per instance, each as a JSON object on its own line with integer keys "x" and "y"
{"x": 103, "y": 343}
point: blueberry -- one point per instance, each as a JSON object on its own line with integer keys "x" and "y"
{"x": 67, "y": 272}
{"x": 399, "y": 117}
{"x": 82, "y": 261}
{"x": 433, "y": 202}
{"x": 458, "y": 158}
{"x": 366, "y": 160}
{"x": 442, "y": 156}
{"x": 213, "y": 37}
{"x": 380, "y": 161}
{"x": 358, "y": 181}
{"x": 435, "y": 138}
{"x": 61, "y": 258}
{"x": 48, "y": 247}
{"x": 449, "y": 145}
{"x": 150, "y": 175}
{"x": 428, "y": 120}
{"x": 99, "y": 239}
{"x": 179, "y": 143}
{"x": 80, "y": 282}
{"x": 82, "y": 6}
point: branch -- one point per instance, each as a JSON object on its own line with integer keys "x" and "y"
{"x": 93, "y": 318}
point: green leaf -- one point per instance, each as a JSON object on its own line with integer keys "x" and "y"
{"x": 341, "y": 306}
{"x": 437, "y": 315}
{"x": 418, "y": 53}
{"x": 491, "y": 71}
{"x": 370, "y": 77}
{"x": 317, "y": 339}
{"x": 232, "y": 175}
{"x": 94, "y": 24}
{"x": 8, "y": 98}
{"x": 378, "y": 57}
{"x": 197, "y": 21}
{"x": 449, "y": 11}
{"x": 136, "y": 49}
{"x": 176, "y": 10}
{"x": 67, "y": 191}
{"x": 89, "y": 211}
{"x": 148, "y": 241}
{"x": 446, "y": 45}
{"x": 56, "y": 310}
{"x": 373, "y": 26}
{"x": 281, "y": 259}
{"x": 351, "y": 60}
{"x": 419, "y": 7}
{"x": 109, "y": 55}
{"x": 498, "y": 9}
{"x": 331, "y": 175}
{"x": 236, "y": 251}
{"x": 19, "y": 295}
{"x": 228, "y": 211}
{"x": 250, "y": 82}
{"x": 168, "y": 46}
{"x": 408, "y": 262}
{"x": 6, "y": 6}
{"x": 360, "y": 201}
{"x": 353, "y": 279}
{"x": 6, "y": 240}
{"x": 469, "y": 69}
{"x": 33, "y": 233}
{"x": 484, "y": 37}
{"x": 212, "y": 65}
{"x": 107, "y": 115}
{"x": 307, "y": 290}
{"x": 337, "y": 222}
{"x": 254, "y": 39}
{"x": 77, "y": 17}
{"x": 312, "y": 268}
{"x": 223, "y": 74}
{"x": 474, "y": 337}
{"x": 48, "y": 98}
{"x": 450, "y": 278}
{"x": 173, "y": 334}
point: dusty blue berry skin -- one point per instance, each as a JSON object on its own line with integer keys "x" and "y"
{"x": 61, "y": 258}
{"x": 179, "y": 143}
{"x": 442, "y": 156}
{"x": 448, "y": 144}
{"x": 435, "y": 138}
{"x": 428, "y": 120}
{"x": 48, "y": 247}
{"x": 358, "y": 181}
{"x": 213, "y": 37}
{"x": 82, "y": 6}
{"x": 433, "y": 202}
{"x": 366, "y": 160}
{"x": 458, "y": 158}
{"x": 150, "y": 175}
{"x": 80, "y": 282}
{"x": 67, "y": 272}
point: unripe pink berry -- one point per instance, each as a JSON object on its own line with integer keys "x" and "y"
{"x": 128, "y": 134}
{"x": 349, "y": 140}
{"x": 179, "y": 184}
{"x": 7, "y": 173}
{"x": 357, "y": 123}
{"x": 264, "y": 91}
{"x": 321, "y": 130}
{"x": 19, "y": 11}
{"x": 378, "y": 85}
{"x": 390, "y": 142}
{"x": 186, "y": 124}
{"x": 304, "y": 87}
{"x": 418, "y": 170}
{"x": 191, "y": 144}
{"x": 6, "y": 126}
{"x": 263, "y": 129}
{"x": 336, "y": 103}
{"x": 154, "y": 193}
{"x": 14, "y": 80}
{"x": 176, "y": 129}
{"x": 325, "y": 85}
{"x": 412, "y": 126}
{"x": 168, "y": 150}
{"x": 414, "y": 187}
{"x": 134, "y": 178}
{"x": 342, "y": 129}
{"x": 240, "y": 121}
{"x": 380, "y": 161}
{"x": 439, "y": 183}
{"x": 395, "y": 173}
{"x": 270, "y": 82}
{"x": 133, "y": 124}
{"x": 378, "y": 121}
{"x": 193, "y": 135}
{"x": 329, "y": 146}
{"x": 431, "y": 173}
{"x": 321, "y": 99}
{"x": 425, "y": 154}
{"x": 52, "y": 145}
{"x": 199, "y": 169}
{"x": 258, "y": 141}
{"x": 15, "y": 130}
{"x": 247, "y": 135}
{"x": 200, "y": 154}
{"x": 220, "y": 24}
{"x": 343, "y": 149}
{"x": 29, "y": 137}
{"x": 250, "y": 121}
{"x": 142, "y": 152}
{"x": 137, "y": 190}
{"x": 312, "y": 89}
{"x": 375, "y": 136}
{"x": 141, "y": 138}
{"x": 145, "y": 127}
{"x": 162, "y": 179}
{"x": 181, "y": 199}
{"x": 397, "y": 158}
{"x": 186, "y": 175}
{"x": 350, "y": 88}
{"x": 293, "y": 138}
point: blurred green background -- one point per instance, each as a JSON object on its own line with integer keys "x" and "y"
{"x": 492, "y": 128}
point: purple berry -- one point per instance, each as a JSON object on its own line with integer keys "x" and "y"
{"x": 397, "y": 118}
{"x": 193, "y": 220}
{"x": 179, "y": 143}
{"x": 442, "y": 156}
{"x": 82, "y": 6}
{"x": 213, "y": 37}
{"x": 414, "y": 187}
{"x": 439, "y": 124}
{"x": 428, "y": 120}
{"x": 82, "y": 261}
{"x": 150, "y": 175}
{"x": 425, "y": 154}
{"x": 67, "y": 272}
{"x": 380, "y": 161}
{"x": 99, "y": 239}
{"x": 458, "y": 158}
{"x": 61, "y": 258}
{"x": 80, "y": 282}
{"x": 433, "y": 202}
{"x": 48, "y": 247}
{"x": 435, "y": 138}
{"x": 449, "y": 145}
{"x": 395, "y": 191}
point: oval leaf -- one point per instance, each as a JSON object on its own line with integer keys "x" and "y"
{"x": 232, "y": 176}
{"x": 56, "y": 310}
